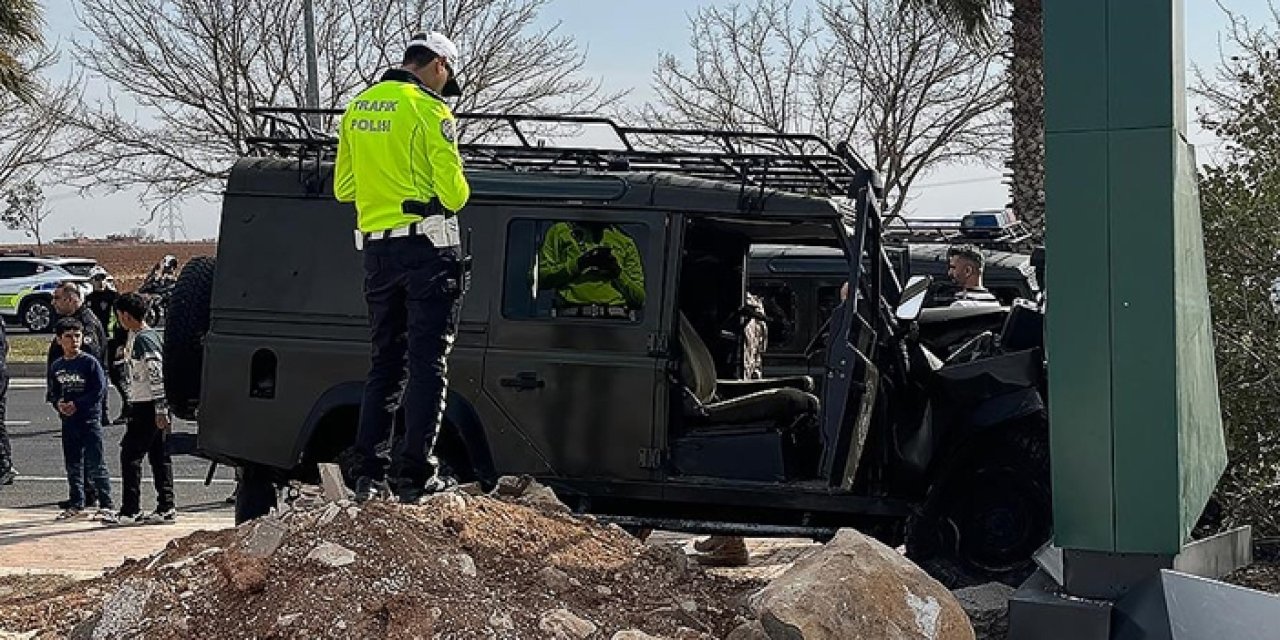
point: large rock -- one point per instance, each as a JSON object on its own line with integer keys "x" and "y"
{"x": 856, "y": 587}
{"x": 331, "y": 555}
{"x": 633, "y": 634}
{"x": 123, "y": 610}
{"x": 530, "y": 493}
{"x": 988, "y": 609}
{"x": 562, "y": 624}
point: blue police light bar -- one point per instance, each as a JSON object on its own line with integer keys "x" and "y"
{"x": 985, "y": 224}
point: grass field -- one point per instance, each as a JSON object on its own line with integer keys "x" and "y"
{"x": 29, "y": 348}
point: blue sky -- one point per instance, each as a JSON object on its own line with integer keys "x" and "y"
{"x": 622, "y": 39}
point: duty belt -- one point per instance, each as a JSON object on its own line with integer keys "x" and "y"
{"x": 594, "y": 311}
{"x": 437, "y": 225}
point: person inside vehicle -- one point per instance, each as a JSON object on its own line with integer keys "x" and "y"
{"x": 594, "y": 269}
{"x": 964, "y": 266}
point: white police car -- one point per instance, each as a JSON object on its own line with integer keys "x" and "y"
{"x": 27, "y": 282}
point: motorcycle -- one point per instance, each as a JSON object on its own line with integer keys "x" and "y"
{"x": 158, "y": 288}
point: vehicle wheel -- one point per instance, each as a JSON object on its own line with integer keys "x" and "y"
{"x": 989, "y": 514}
{"x": 255, "y": 493}
{"x": 185, "y": 329}
{"x": 37, "y": 315}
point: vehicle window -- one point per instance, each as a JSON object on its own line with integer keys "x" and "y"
{"x": 575, "y": 269}
{"x": 78, "y": 268}
{"x": 780, "y": 311}
{"x": 828, "y": 300}
{"x": 19, "y": 269}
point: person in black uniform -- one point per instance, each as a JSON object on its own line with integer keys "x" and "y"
{"x": 102, "y": 302}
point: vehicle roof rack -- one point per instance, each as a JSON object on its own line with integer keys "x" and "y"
{"x": 801, "y": 163}
{"x": 984, "y": 229}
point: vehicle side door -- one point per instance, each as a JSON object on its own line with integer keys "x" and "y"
{"x": 586, "y": 391}
{"x": 17, "y": 278}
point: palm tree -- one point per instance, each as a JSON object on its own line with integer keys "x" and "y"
{"x": 979, "y": 19}
{"x": 19, "y": 31}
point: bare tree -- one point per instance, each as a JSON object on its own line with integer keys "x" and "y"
{"x": 35, "y": 138}
{"x": 870, "y": 73}
{"x": 25, "y": 211}
{"x": 195, "y": 68}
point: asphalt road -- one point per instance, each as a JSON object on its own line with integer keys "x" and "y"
{"x": 35, "y": 433}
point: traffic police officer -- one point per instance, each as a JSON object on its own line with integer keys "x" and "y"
{"x": 398, "y": 162}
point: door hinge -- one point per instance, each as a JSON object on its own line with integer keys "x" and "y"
{"x": 657, "y": 344}
{"x": 651, "y": 458}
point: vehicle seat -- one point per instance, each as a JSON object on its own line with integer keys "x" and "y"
{"x": 783, "y": 401}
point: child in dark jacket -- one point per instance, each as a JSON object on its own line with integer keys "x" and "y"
{"x": 77, "y": 385}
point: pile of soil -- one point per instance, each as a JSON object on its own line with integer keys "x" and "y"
{"x": 461, "y": 566}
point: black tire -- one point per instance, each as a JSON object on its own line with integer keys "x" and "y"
{"x": 255, "y": 493}
{"x": 37, "y": 315}
{"x": 989, "y": 514}
{"x": 186, "y": 324}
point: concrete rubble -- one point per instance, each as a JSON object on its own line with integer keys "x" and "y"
{"x": 514, "y": 563}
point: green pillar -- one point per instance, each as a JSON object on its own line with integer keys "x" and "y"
{"x": 1137, "y": 436}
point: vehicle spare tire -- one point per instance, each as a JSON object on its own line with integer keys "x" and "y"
{"x": 185, "y": 328}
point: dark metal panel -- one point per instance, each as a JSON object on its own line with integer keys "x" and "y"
{"x": 1038, "y": 611}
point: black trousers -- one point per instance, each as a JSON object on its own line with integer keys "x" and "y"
{"x": 413, "y": 291}
{"x": 6, "y": 451}
{"x": 143, "y": 439}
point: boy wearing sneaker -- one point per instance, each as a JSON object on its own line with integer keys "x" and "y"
{"x": 77, "y": 385}
{"x": 147, "y": 430}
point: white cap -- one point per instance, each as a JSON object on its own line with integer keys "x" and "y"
{"x": 439, "y": 43}
{"x": 445, "y": 48}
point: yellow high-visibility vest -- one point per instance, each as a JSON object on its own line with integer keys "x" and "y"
{"x": 398, "y": 143}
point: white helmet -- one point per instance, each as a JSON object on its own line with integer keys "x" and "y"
{"x": 98, "y": 272}
{"x": 169, "y": 261}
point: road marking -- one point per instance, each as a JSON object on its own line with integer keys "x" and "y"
{"x": 63, "y": 479}
{"x": 16, "y": 423}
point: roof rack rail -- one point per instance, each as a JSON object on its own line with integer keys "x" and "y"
{"x": 802, "y": 163}
{"x": 986, "y": 229}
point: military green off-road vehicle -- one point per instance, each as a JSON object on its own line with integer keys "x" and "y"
{"x": 638, "y": 415}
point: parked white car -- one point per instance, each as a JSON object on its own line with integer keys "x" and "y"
{"x": 27, "y": 282}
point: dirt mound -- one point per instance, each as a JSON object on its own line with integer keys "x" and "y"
{"x": 461, "y": 566}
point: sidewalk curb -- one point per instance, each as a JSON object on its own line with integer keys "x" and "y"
{"x": 27, "y": 370}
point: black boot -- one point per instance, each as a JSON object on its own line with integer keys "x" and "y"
{"x": 367, "y": 489}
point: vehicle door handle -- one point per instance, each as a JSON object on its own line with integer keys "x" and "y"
{"x": 524, "y": 381}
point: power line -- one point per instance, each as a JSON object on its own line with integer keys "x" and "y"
{"x": 952, "y": 183}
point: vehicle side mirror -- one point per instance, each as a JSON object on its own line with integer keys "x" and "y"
{"x": 913, "y": 296}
